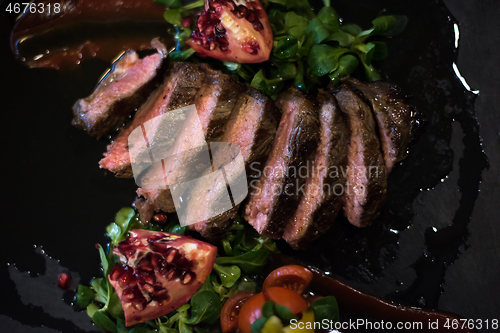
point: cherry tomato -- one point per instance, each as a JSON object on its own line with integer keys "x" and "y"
{"x": 293, "y": 277}
{"x": 286, "y": 297}
{"x": 231, "y": 310}
{"x": 250, "y": 312}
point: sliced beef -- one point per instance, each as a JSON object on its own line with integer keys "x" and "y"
{"x": 366, "y": 184}
{"x": 394, "y": 117}
{"x": 145, "y": 210}
{"x": 179, "y": 89}
{"x": 123, "y": 90}
{"x": 275, "y": 196}
{"x": 324, "y": 188}
{"x": 252, "y": 126}
{"x": 214, "y": 103}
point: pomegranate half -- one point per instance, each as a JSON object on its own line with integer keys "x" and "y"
{"x": 236, "y": 31}
{"x": 158, "y": 272}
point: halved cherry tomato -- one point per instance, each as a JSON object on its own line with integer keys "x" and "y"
{"x": 250, "y": 312}
{"x": 231, "y": 310}
{"x": 286, "y": 297}
{"x": 293, "y": 277}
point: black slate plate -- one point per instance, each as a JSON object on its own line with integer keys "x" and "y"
{"x": 436, "y": 243}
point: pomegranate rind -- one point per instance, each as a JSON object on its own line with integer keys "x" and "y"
{"x": 158, "y": 272}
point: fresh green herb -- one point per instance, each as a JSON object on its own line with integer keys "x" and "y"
{"x": 325, "y": 308}
{"x": 268, "y": 309}
{"x": 258, "y": 325}
{"x": 84, "y": 296}
{"x": 308, "y": 48}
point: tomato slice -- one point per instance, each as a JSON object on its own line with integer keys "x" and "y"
{"x": 293, "y": 277}
{"x": 250, "y": 312}
{"x": 286, "y": 297}
{"x": 231, "y": 310}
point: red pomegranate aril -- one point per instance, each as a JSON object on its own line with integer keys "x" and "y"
{"x": 182, "y": 262}
{"x": 186, "y": 21}
{"x": 157, "y": 261}
{"x": 129, "y": 293}
{"x": 148, "y": 277}
{"x": 161, "y": 294}
{"x": 160, "y": 218}
{"x": 241, "y": 11}
{"x": 63, "y": 281}
{"x": 149, "y": 288}
{"x": 258, "y": 26}
{"x": 251, "y": 17}
{"x": 187, "y": 278}
{"x": 171, "y": 255}
{"x": 127, "y": 278}
{"x": 173, "y": 274}
{"x": 138, "y": 305}
{"x": 230, "y": 5}
{"x": 116, "y": 271}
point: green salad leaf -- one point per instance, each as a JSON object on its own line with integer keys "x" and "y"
{"x": 325, "y": 308}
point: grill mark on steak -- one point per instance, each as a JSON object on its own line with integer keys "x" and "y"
{"x": 366, "y": 184}
{"x": 214, "y": 103}
{"x": 123, "y": 90}
{"x": 252, "y": 126}
{"x": 394, "y": 118}
{"x": 278, "y": 191}
{"x": 178, "y": 89}
{"x": 321, "y": 202}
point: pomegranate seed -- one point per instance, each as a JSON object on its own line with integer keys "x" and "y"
{"x": 149, "y": 288}
{"x": 258, "y": 26}
{"x": 230, "y": 5}
{"x": 161, "y": 294}
{"x": 171, "y": 255}
{"x": 186, "y": 21}
{"x": 160, "y": 218}
{"x": 129, "y": 293}
{"x": 251, "y": 17}
{"x": 138, "y": 305}
{"x": 241, "y": 11}
{"x": 115, "y": 273}
{"x": 187, "y": 278}
{"x": 127, "y": 280}
{"x": 173, "y": 274}
{"x": 158, "y": 261}
{"x": 63, "y": 281}
{"x": 148, "y": 278}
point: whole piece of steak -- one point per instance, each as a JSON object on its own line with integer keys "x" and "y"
{"x": 366, "y": 184}
{"x": 324, "y": 188}
{"x": 394, "y": 117}
{"x": 124, "y": 88}
{"x": 251, "y": 126}
{"x": 179, "y": 89}
{"x": 276, "y": 195}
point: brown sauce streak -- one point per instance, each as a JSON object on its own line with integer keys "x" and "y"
{"x": 85, "y": 29}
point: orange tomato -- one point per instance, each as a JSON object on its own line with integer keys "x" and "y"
{"x": 293, "y": 277}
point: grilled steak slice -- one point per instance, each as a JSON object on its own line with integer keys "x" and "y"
{"x": 214, "y": 103}
{"x": 321, "y": 202}
{"x": 252, "y": 126}
{"x": 366, "y": 184}
{"x": 394, "y": 118}
{"x": 178, "y": 89}
{"x": 123, "y": 90}
{"x": 279, "y": 190}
